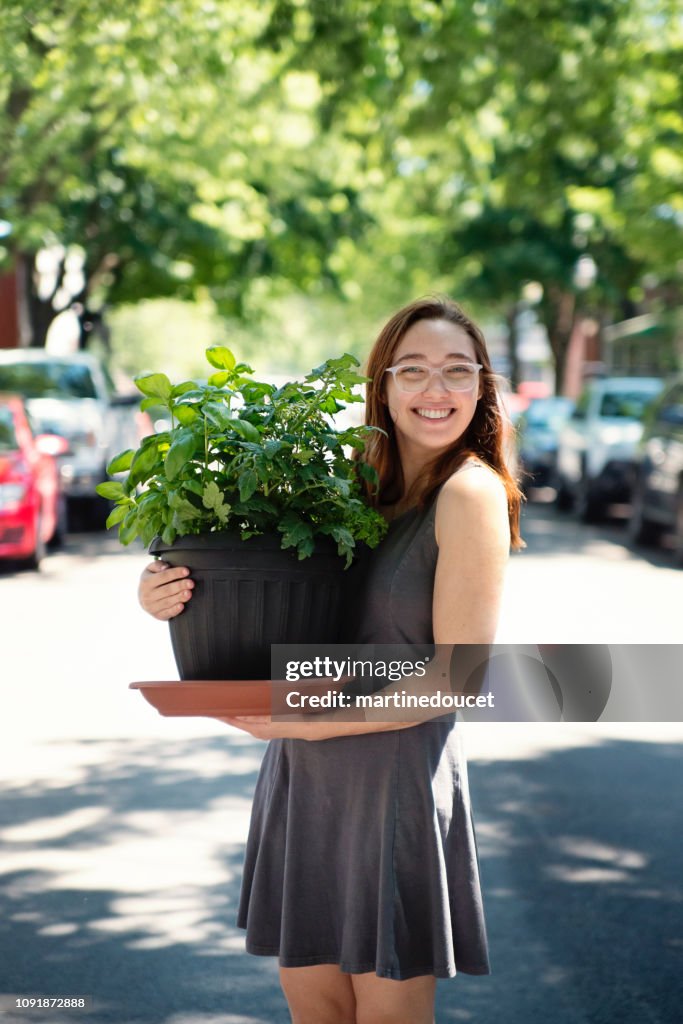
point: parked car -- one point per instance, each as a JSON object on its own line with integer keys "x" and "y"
{"x": 658, "y": 486}
{"x": 31, "y": 504}
{"x": 538, "y": 431}
{"x": 597, "y": 444}
{"x": 74, "y": 396}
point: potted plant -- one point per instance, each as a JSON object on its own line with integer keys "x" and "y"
{"x": 252, "y": 489}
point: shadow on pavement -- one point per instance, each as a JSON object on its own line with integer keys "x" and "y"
{"x": 550, "y": 532}
{"x": 580, "y": 858}
{"x": 135, "y": 905}
{"x": 121, "y": 879}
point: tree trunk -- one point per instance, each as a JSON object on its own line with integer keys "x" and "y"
{"x": 511, "y": 314}
{"x": 23, "y": 264}
{"x": 35, "y": 312}
{"x": 558, "y": 314}
{"x": 42, "y": 313}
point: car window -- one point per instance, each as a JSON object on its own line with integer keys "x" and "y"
{"x": 581, "y": 409}
{"x": 8, "y": 438}
{"x": 47, "y": 380}
{"x": 625, "y": 404}
{"x": 548, "y": 414}
{"x": 671, "y": 410}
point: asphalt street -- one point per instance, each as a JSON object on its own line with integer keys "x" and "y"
{"x": 122, "y": 833}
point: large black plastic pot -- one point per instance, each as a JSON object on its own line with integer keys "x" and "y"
{"x": 249, "y": 594}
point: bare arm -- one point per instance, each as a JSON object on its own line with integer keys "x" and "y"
{"x": 473, "y": 534}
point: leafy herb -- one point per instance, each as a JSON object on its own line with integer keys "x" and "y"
{"x": 244, "y": 455}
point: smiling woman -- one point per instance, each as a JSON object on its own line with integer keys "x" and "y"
{"x": 361, "y": 872}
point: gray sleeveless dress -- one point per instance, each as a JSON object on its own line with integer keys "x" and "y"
{"x": 361, "y": 850}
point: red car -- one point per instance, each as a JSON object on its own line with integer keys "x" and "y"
{"x": 31, "y": 507}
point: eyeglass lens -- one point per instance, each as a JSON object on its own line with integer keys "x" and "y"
{"x": 456, "y": 377}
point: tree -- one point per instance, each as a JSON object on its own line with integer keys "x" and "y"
{"x": 171, "y": 160}
{"x": 521, "y": 137}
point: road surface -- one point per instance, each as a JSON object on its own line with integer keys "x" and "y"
{"x": 122, "y": 833}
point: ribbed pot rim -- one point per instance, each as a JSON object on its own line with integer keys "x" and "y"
{"x": 228, "y": 540}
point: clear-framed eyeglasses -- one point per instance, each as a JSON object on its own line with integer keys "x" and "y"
{"x": 417, "y": 377}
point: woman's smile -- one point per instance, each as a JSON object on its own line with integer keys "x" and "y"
{"x": 434, "y": 413}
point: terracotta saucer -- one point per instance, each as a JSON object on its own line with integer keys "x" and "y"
{"x": 207, "y": 697}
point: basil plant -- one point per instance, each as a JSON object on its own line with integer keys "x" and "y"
{"x": 244, "y": 455}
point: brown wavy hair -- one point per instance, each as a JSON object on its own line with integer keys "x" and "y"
{"x": 484, "y": 439}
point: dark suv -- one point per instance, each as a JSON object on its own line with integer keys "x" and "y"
{"x": 658, "y": 487}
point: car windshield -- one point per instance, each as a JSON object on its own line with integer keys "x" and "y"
{"x": 626, "y": 404}
{"x": 47, "y": 380}
{"x": 8, "y": 438}
{"x": 552, "y": 414}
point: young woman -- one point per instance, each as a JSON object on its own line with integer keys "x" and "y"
{"x": 361, "y": 871}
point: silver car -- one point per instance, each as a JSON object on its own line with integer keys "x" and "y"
{"x": 74, "y": 396}
{"x": 597, "y": 444}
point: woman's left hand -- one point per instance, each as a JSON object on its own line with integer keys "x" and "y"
{"x": 262, "y": 727}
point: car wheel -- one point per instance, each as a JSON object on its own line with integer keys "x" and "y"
{"x": 61, "y": 526}
{"x": 589, "y": 508}
{"x": 563, "y": 496}
{"x": 33, "y": 561}
{"x": 678, "y": 534}
{"x": 640, "y": 529}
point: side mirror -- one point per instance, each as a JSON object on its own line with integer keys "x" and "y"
{"x": 52, "y": 444}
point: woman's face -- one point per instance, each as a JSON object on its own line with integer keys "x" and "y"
{"x": 432, "y": 420}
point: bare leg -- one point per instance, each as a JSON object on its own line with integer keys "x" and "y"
{"x": 383, "y": 1001}
{"x": 318, "y": 995}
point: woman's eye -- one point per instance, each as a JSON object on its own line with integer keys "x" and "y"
{"x": 458, "y": 371}
{"x": 411, "y": 371}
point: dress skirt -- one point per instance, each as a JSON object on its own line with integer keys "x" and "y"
{"x": 362, "y": 853}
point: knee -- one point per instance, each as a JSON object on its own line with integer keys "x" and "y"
{"x": 325, "y": 1011}
{"x": 380, "y": 1001}
{"x": 318, "y": 995}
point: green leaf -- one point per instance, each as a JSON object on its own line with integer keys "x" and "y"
{"x": 297, "y": 533}
{"x": 151, "y": 403}
{"x": 220, "y": 357}
{"x": 179, "y": 454}
{"x": 143, "y": 465}
{"x": 217, "y": 380}
{"x": 246, "y": 430}
{"x": 218, "y": 414}
{"x": 154, "y": 384}
{"x": 184, "y": 388}
{"x": 169, "y": 535}
{"x": 248, "y": 482}
{"x": 185, "y": 414}
{"x": 111, "y": 489}
{"x": 128, "y": 530}
{"x": 194, "y": 486}
{"x": 121, "y": 463}
{"x": 304, "y": 456}
{"x": 214, "y": 499}
{"x": 116, "y": 515}
{"x": 183, "y": 511}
